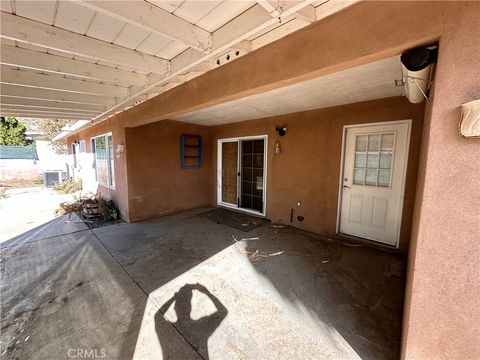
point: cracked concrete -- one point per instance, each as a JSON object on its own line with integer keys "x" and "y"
{"x": 184, "y": 287}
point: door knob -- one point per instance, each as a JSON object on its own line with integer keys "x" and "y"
{"x": 345, "y": 187}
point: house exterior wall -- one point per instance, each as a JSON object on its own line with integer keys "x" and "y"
{"x": 119, "y": 194}
{"x": 442, "y": 307}
{"x": 157, "y": 184}
{"x": 442, "y": 312}
{"x": 308, "y": 168}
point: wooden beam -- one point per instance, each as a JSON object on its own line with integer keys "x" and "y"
{"x": 36, "y": 33}
{"x": 47, "y": 110}
{"x": 6, "y": 112}
{"x": 242, "y": 27}
{"x": 268, "y": 5}
{"x": 332, "y": 7}
{"x": 277, "y": 8}
{"x": 7, "y": 101}
{"x": 15, "y": 56}
{"x": 54, "y": 82}
{"x": 24, "y": 92}
{"x": 154, "y": 19}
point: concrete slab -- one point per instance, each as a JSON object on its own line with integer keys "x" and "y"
{"x": 184, "y": 287}
{"x": 66, "y": 297}
{"x": 60, "y": 225}
{"x": 307, "y": 298}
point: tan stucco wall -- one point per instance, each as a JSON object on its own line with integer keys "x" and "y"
{"x": 308, "y": 168}
{"x": 442, "y": 308}
{"x": 157, "y": 184}
{"x": 115, "y": 125}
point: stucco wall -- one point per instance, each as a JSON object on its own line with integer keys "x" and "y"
{"x": 308, "y": 168}
{"x": 442, "y": 307}
{"x": 157, "y": 184}
{"x": 119, "y": 195}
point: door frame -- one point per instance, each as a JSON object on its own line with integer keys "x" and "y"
{"x": 219, "y": 173}
{"x": 408, "y": 122}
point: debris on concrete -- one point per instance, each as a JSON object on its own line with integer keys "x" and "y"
{"x": 93, "y": 209}
{"x": 257, "y": 255}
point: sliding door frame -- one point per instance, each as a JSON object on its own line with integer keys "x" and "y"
{"x": 239, "y": 181}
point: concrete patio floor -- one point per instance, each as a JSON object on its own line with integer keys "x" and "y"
{"x": 185, "y": 287}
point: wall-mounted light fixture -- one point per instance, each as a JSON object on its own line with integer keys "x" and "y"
{"x": 282, "y": 130}
{"x": 469, "y": 125}
{"x": 277, "y": 149}
{"x": 120, "y": 149}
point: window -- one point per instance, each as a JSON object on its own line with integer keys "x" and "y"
{"x": 190, "y": 151}
{"x": 102, "y": 147}
{"x": 75, "y": 151}
{"x": 82, "y": 146}
{"x": 373, "y": 159}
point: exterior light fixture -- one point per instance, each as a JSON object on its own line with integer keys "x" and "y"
{"x": 277, "y": 148}
{"x": 469, "y": 125}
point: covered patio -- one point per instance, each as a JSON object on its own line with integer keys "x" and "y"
{"x": 295, "y": 179}
{"x": 195, "y": 285}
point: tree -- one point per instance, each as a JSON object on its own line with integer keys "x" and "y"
{"x": 12, "y": 132}
{"x": 50, "y": 128}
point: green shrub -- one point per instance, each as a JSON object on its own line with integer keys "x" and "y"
{"x": 68, "y": 187}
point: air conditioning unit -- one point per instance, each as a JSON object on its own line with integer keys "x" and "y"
{"x": 52, "y": 177}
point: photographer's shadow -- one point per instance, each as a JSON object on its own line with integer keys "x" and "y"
{"x": 196, "y": 332}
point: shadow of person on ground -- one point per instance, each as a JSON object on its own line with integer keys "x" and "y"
{"x": 196, "y": 332}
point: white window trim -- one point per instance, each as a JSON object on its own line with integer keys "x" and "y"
{"x": 112, "y": 176}
{"x": 219, "y": 174}
{"x": 80, "y": 146}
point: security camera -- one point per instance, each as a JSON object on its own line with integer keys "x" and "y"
{"x": 281, "y": 130}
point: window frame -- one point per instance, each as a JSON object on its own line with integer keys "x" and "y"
{"x": 110, "y": 171}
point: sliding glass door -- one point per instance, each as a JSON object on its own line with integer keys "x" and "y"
{"x": 252, "y": 174}
{"x": 241, "y": 168}
{"x": 230, "y": 172}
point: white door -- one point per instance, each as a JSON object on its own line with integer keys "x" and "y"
{"x": 374, "y": 166}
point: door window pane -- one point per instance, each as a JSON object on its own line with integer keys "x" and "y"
{"x": 385, "y": 161}
{"x": 371, "y": 177}
{"x": 252, "y": 174}
{"x": 361, "y": 144}
{"x": 229, "y": 172}
{"x": 387, "y": 141}
{"x": 384, "y": 177}
{"x": 360, "y": 160}
{"x": 358, "y": 176}
{"x": 374, "y": 142}
{"x": 373, "y": 159}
